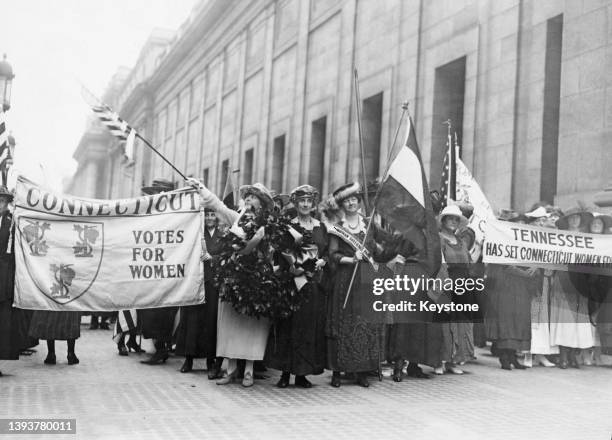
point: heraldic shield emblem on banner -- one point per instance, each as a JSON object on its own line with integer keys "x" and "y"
{"x": 63, "y": 257}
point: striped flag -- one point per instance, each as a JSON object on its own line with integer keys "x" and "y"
{"x": 404, "y": 203}
{"x": 126, "y": 320}
{"x": 448, "y": 186}
{"x": 117, "y": 126}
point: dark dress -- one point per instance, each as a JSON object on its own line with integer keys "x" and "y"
{"x": 353, "y": 339}
{"x": 196, "y": 334}
{"x": 419, "y": 342}
{"x": 509, "y": 291}
{"x": 10, "y": 317}
{"x": 55, "y": 325}
{"x": 297, "y": 345}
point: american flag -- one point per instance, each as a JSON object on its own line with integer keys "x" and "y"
{"x": 6, "y": 159}
{"x": 448, "y": 186}
{"x": 111, "y": 120}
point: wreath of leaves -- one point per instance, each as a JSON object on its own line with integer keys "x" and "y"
{"x": 248, "y": 281}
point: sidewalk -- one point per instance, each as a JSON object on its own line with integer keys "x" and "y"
{"x": 117, "y": 397}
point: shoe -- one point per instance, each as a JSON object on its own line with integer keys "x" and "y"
{"x": 187, "y": 366}
{"x": 72, "y": 359}
{"x": 302, "y": 382}
{"x": 527, "y": 360}
{"x": 563, "y": 358}
{"x": 505, "y": 361}
{"x": 123, "y": 351}
{"x": 50, "y": 359}
{"x": 214, "y": 372}
{"x": 542, "y": 360}
{"x": 572, "y": 360}
{"x": 514, "y": 361}
{"x": 157, "y": 358}
{"x": 227, "y": 378}
{"x": 283, "y": 382}
{"x": 362, "y": 380}
{"x": 133, "y": 346}
{"x": 587, "y": 357}
{"x": 248, "y": 380}
{"x": 439, "y": 370}
{"x": 335, "y": 381}
{"x": 417, "y": 372}
{"x": 453, "y": 369}
{"x": 397, "y": 375}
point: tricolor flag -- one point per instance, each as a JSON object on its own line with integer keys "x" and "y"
{"x": 404, "y": 202}
{"x": 117, "y": 126}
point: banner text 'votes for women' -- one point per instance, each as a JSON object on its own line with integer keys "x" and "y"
{"x": 103, "y": 255}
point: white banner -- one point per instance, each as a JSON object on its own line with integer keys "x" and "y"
{"x": 525, "y": 245}
{"x": 105, "y": 255}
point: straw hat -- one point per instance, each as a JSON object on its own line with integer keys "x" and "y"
{"x": 586, "y": 218}
{"x": 158, "y": 186}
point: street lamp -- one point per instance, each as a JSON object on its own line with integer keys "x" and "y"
{"x": 6, "y": 81}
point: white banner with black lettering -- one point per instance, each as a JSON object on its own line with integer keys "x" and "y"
{"x": 105, "y": 255}
{"x": 525, "y": 245}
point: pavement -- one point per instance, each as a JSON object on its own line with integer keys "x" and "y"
{"x": 113, "y": 397}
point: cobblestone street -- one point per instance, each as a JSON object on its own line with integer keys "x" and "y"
{"x": 117, "y": 397}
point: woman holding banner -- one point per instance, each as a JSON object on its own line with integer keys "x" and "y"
{"x": 571, "y": 328}
{"x": 196, "y": 335}
{"x": 10, "y": 317}
{"x": 239, "y": 336}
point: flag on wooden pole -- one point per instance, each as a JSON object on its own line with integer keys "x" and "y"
{"x": 404, "y": 202}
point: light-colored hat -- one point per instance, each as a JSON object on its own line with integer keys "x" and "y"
{"x": 539, "y": 212}
{"x": 259, "y": 191}
{"x": 455, "y": 211}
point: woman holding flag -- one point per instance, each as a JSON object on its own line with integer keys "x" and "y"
{"x": 353, "y": 342}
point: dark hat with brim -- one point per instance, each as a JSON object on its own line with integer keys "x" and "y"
{"x": 606, "y": 219}
{"x": 510, "y": 215}
{"x": 4, "y": 192}
{"x": 261, "y": 192}
{"x": 586, "y": 218}
{"x": 304, "y": 191}
{"x": 158, "y": 186}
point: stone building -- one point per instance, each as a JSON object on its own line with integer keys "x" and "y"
{"x": 266, "y": 87}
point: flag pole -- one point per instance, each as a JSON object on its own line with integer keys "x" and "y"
{"x": 148, "y": 144}
{"x": 362, "y": 152}
{"x": 449, "y": 141}
{"x": 388, "y": 165}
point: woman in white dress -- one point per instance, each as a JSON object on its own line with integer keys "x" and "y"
{"x": 570, "y": 327}
{"x": 239, "y": 336}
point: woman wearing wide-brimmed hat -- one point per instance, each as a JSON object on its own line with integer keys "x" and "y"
{"x": 239, "y": 336}
{"x": 509, "y": 290}
{"x": 297, "y": 344}
{"x": 353, "y": 342}
{"x": 457, "y": 332}
{"x": 571, "y": 328}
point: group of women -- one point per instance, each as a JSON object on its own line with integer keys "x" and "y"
{"x": 529, "y": 314}
{"x": 543, "y": 314}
